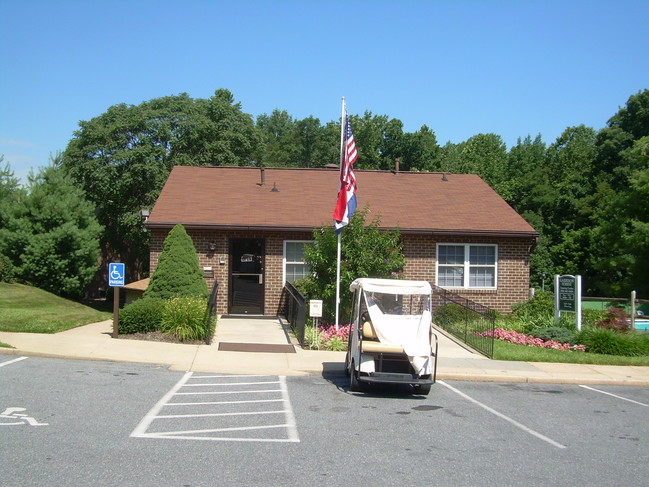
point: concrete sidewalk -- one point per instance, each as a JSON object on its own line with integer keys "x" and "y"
{"x": 94, "y": 342}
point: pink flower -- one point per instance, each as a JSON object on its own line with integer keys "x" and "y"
{"x": 530, "y": 341}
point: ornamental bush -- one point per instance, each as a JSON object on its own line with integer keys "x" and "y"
{"x": 178, "y": 272}
{"x": 185, "y": 317}
{"x": 615, "y": 319}
{"x": 609, "y": 342}
{"x": 557, "y": 333}
{"x": 141, "y": 316}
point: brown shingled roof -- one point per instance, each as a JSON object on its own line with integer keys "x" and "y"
{"x": 421, "y": 203}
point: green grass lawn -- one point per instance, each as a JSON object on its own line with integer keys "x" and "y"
{"x": 523, "y": 353}
{"x": 32, "y": 310}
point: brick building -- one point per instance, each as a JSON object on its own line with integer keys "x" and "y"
{"x": 249, "y": 227}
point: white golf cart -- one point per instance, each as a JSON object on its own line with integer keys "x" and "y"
{"x": 391, "y": 340}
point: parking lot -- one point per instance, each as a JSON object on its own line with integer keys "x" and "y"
{"x": 99, "y": 423}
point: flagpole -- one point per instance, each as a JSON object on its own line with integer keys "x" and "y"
{"x": 342, "y": 132}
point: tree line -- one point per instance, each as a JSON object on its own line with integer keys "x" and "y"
{"x": 587, "y": 193}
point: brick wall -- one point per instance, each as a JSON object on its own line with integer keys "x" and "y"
{"x": 419, "y": 252}
{"x": 513, "y": 268}
{"x": 219, "y": 261}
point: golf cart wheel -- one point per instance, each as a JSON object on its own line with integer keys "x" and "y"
{"x": 422, "y": 389}
{"x": 354, "y": 384}
{"x": 347, "y": 364}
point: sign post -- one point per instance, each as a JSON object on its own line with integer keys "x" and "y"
{"x": 116, "y": 273}
{"x": 315, "y": 311}
{"x": 567, "y": 296}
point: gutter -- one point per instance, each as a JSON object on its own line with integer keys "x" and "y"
{"x": 309, "y": 228}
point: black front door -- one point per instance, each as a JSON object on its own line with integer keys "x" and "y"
{"x": 246, "y": 276}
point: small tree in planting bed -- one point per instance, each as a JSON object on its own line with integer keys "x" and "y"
{"x": 178, "y": 272}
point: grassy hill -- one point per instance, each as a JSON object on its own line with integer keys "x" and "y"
{"x": 31, "y": 310}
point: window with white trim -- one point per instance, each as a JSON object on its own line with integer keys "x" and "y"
{"x": 467, "y": 265}
{"x": 294, "y": 266}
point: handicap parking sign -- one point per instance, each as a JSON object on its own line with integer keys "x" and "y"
{"x": 116, "y": 272}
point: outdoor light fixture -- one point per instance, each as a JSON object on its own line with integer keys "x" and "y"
{"x": 211, "y": 246}
{"x": 275, "y": 189}
{"x": 444, "y": 178}
{"x": 144, "y": 215}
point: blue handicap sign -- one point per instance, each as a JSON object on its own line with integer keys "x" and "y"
{"x": 116, "y": 273}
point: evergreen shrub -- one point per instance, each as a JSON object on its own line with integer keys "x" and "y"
{"x": 557, "y": 333}
{"x": 178, "y": 272}
{"x": 141, "y": 316}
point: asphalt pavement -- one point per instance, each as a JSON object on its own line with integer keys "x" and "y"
{"x": 262, "y": 345}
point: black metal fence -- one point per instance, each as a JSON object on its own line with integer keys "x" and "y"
{"x": 295, "y": 310}
{"x": 210, "y": 318}
{"x": 466, "y": 320}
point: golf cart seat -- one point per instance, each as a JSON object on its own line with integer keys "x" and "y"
{"x": 371, "y": 341}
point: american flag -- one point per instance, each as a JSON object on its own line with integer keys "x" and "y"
{"x": 346, "y": 204}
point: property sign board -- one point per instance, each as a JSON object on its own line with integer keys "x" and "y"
{"x": 116, "y": 273}
{"x": 567, "y": 296}
{"x": 567, "y": 293}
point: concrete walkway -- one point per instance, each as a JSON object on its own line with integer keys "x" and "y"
{"x": 94, "y": 342}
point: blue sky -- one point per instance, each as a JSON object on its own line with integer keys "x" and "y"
{"x": 461, "y": 67}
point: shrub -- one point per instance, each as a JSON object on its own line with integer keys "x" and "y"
{"x": 451, "y": 313}
{"x": 141, "y": 316}
{"x": 615, "y": 319}
{"x": 185, "y": 317}
{"x": 178, "y": 272}
{"x": 557, "y": 333}
{"x": 608, "y": 342}
{"x": 590, "y": 317}
{"x": 540, "y": 307}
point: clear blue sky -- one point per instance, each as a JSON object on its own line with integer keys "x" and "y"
{"x": 461, "y": 67}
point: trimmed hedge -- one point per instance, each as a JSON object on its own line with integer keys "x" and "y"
{"x": 141, "y": 316}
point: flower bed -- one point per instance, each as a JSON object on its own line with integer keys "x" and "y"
{"x": 531, "y": 341}
{"x": 328, "y": 338}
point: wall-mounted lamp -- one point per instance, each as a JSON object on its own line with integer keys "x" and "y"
{"x": 222, "y": 260}
{"x": 444, "y": 178}
{"x": 275, "y": 188}
{"x": 144, "y": 215}
{"x": 211, "y": 246}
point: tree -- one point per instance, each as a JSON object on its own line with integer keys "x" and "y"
{"x": 365, "y": 252}
{"x": 420, "y": 151}
{"x": 486, "y": 156}
{"x": 178, "y": 273}
{"x": 123, "y": 157}
{"x": 277, "y": 133}
{"x": 53, "y": 238}
{"x": 11, "y": 192}
{"x": 11, "y": 196}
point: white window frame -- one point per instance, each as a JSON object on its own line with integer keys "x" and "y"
{"x": 284, "y": 261}
{"x": 467, "y": 265}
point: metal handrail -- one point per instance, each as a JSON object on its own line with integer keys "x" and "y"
{"x": 295, "y": 311}
{"x": 211, "y": 313}
{"x": 470, "y": 322}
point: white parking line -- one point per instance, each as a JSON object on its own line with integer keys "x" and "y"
{"x": 502, "y": 416}
{"x": 8, "y": 362}
{"x": 615, "y": 395}
{"x": 222, "y": 414}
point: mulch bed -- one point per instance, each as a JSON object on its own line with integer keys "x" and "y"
{"x": 158, "y": 336}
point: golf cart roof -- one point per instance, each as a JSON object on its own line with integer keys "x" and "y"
{"x": 391, "y": 286}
